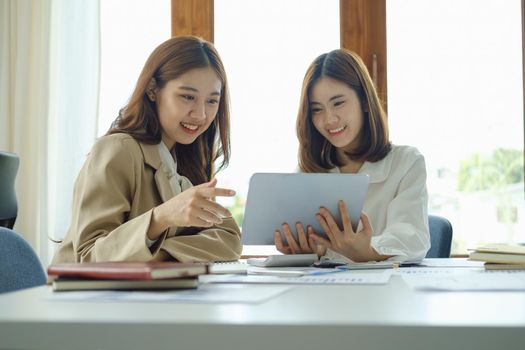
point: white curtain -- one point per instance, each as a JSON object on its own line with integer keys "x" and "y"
{"x": 49, "y": 71}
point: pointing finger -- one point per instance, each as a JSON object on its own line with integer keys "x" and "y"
{"x": 211, "y": 192}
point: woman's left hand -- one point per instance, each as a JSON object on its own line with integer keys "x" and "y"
{"x": 304, "y": 245}
{"x": 354, "y": 245}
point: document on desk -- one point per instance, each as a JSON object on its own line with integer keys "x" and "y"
{"x": 452, "y": 262}
{"x": 323, "y": 277}
{"x": 465, "y": 280}
{"x": 286, "y": 271}
{"x": 207, "y": 293}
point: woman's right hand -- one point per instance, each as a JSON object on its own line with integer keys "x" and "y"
{"x": 291, "y": 246}
{"x": 192, "y": 207}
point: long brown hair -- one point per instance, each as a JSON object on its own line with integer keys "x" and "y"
{"x": 139, "y": 117}
{"x": 316, "y": 153}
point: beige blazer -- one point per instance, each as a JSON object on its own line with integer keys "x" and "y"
{"x": 114, "y": 196}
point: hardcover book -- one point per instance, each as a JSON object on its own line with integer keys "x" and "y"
{"x": 498, "y": 258}
{"x": 502, "y": 248}
{"x": 494, "y": 266}
{"x": 71, "y": 284}
{"x": 128, "y": 270}
{"x": 500, "y": 253}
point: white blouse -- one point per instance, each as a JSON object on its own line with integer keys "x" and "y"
{"x": 396, "y": 204}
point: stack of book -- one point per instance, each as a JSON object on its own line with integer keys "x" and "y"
{"x": 500, "y": 256}
{"x": 125, "y": 275}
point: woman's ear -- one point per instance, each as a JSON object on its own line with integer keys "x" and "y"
{"x": 364, "y": 105}
{"x": 151, "y": 89}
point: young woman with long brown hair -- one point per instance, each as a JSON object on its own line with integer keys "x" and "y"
{"x": 342, "y": 127}
{"x": 146, "y": 190}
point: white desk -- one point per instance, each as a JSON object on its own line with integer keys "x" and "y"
{"x": 375, "y": 317}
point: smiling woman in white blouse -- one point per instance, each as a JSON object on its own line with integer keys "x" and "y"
{"x": 342, "y": 127}
{"x": 145, "y": 192}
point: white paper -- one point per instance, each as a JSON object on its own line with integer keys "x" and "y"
{"x": 338, "y": 277}
{"x": 433, "y": 271}
{"x": 283, "y": 273}
{"x": 467, "y": 280}
{"x": 209, "y": 293}
{"x": 370, "y": 265}
{"x": 456, "y": 262}
{"x": 287, "y": 271}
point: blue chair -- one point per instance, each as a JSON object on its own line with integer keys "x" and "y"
{"x": 20, "y": 267}
{"x": 8, "y": 205}
{"x": 440, "y": 237}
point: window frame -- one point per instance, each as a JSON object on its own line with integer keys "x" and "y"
{"x": 192, "y": 17}
{"x": 363, "y": 30}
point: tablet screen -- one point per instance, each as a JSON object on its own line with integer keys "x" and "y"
{"x": 275, "y": 198}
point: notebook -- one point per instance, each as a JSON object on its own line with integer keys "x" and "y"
{"x": 226, "y": 267}
{"x": 499, "y": 253}
{"x": 72, "y": 284}
{"x": 275, "y": 198}
{"x": 128, "y": 270}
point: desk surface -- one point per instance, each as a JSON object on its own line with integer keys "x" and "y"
{"x": 389, "y": 316}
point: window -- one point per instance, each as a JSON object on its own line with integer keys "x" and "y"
{"x": 455, "y": 91}
{"x": 266, "y": 47}
{"x": 130, "y": 30}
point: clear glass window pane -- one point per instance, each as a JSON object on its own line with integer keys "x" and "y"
{"x": 455, "y": 91}
{"x": 266, "y": 47}
{"x": 129, "y": 31}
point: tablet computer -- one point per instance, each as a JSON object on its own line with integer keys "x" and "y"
{"x": 275, "y": 198}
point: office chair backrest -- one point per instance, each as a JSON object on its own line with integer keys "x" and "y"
{"x": 20, "y": 267}
{"x": 8, "y": 205}
{"x": 440, "y": 237}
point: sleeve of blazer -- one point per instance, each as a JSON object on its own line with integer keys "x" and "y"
{"x": 102, "y": 201}
{"x": 219, "y": 243}
{"x": 406, "y": 233}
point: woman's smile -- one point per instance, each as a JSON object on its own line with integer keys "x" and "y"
{"x": 189, "y": 128}
{"x": 337, "y": 131}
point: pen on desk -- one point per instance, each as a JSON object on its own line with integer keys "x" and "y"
{"x": 411, "y": 265}
{"x": 368, "y": 266}
{"x": 325, "y": 272}
{"x": 277, "y": 273}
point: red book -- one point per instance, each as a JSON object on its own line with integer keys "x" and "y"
{"x": 128, "y": 270}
